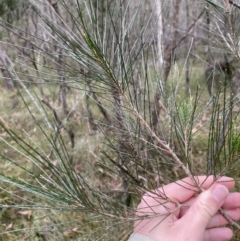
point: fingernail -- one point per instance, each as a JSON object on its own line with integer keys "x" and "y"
{"x": 219, "y": 193}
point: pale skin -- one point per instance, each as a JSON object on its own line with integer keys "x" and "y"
{"x": 187, "y": 216}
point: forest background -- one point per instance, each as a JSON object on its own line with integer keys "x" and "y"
{"x": 104, "y": 100}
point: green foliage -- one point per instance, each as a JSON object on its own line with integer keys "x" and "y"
{"x": 185, "y": 112}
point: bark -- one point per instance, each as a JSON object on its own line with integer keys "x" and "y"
{"x": 187, "y": 70}
{"x": 91, "y": 121}
{"x": 63, "y": 86}
{"x": 100, "y": 106}
{"x": 7, "y": 78}
{"x": 60, "y": 62}
{"x": 208, "y": 55}
{"x": 168, "y": 59}
{"x": 160, "y": 32}
{"x": 123, "y": 139}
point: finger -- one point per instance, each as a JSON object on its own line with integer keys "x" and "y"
{"x": 182, "y": 190}
{"x": 218, "y": 234}
{"x": 218, "y": 220}
{"x": 159, "y": 201}
{"x": 204, "y": 209}
{"x": 232, "y": 201}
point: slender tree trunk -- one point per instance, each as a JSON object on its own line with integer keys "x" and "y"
{"x": 209, "y": 75}
{"x": 160, "y": 64}
{"x": 187, "y": 60}
{"x": 171, "y": 47}
{"x": 63, "y": 86}
{"x": 123, "y": 140}
{"x": 60, "y": 62}
{"x": 100, "y": 106}
{"x": 160, "y": 32}
{"x": 92, "y": 124}
{"x": 5, "y": 72}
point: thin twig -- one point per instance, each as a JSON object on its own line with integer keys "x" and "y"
{"x": 229, "y": 219}
{"x": 234, "y": 4}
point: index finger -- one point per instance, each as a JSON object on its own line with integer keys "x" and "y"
{"x": 182, "y": 190}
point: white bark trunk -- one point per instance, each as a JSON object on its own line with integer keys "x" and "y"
{"x": 158, "y": 4}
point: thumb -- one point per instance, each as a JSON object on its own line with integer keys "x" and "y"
{"x": 205, "y": 207}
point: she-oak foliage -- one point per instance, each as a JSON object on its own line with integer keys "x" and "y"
{"x": 107, "y": 52}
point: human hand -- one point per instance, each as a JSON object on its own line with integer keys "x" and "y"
{"x": 176, "y": 213}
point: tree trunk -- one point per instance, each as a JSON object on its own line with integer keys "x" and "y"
{"x": 168, "y": 59}
{"x": 159, "y": 33}
{"x": 5, "y": 72}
